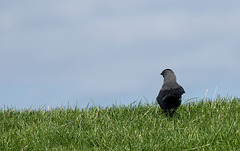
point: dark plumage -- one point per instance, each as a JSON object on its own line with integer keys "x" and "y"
{"x": 170, "y": 95}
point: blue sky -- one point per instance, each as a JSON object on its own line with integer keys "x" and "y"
{"x": 66, "y": 52}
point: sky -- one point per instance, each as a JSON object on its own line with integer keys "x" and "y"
{"x": 103, "y": 52}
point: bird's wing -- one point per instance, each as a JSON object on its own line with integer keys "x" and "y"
{"x": 163, "y": 94}
{"x": 170, "y": 89}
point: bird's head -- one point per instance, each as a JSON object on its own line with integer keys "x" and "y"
{"x": 168, "y": 75}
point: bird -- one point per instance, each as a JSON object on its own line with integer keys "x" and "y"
{"x": 170, "y": 95}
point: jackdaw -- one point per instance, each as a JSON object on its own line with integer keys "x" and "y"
{"x": 170, "y": 95}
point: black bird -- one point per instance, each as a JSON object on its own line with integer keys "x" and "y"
{"x": 170, "y": 95}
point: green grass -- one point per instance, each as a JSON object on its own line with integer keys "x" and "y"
{"x": 195, "y": 126}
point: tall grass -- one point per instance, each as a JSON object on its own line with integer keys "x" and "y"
{"x": 195, "y": 126}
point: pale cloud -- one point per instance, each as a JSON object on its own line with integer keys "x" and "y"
{"x": 6, "y": 21}
{"x": 74, "y": 9}
{"x": 170, "y": 26}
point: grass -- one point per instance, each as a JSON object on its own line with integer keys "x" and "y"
{"x": 195, "y": 126}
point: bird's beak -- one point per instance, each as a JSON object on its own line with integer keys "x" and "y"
{"x": 162, "y": 74}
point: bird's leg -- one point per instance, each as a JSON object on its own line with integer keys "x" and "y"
{"x": 173, "y": 111}
{"x": 167, "y": 112}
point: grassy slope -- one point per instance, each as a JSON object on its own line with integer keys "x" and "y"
{"x": 195, "y": 126}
